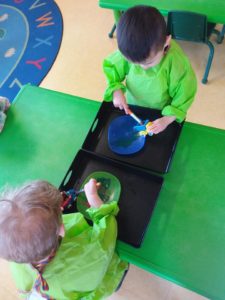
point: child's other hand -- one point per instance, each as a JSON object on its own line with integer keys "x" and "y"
{"x": 91, "y": 188}
{"x": 160, "y": 124}
{"x": 119, "y": 101}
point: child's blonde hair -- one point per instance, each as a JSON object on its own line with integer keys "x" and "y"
{"x": 30, "y": 219}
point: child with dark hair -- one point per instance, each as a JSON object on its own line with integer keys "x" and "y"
{"x": 149, "y": 69}
{"x": 57, "y": 256}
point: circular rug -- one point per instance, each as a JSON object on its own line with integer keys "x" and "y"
{"x": 30, "y": 38}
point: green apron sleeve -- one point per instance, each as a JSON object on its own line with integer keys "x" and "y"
{"x": 182, "y": 88}
{"x": 104, "y": 210}
{"x": 105, "y": 225}
{"x": 115, "y": 68}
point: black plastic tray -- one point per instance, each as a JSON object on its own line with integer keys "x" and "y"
{"x": 158, "y": 150}
{"x": 139, "y": 192}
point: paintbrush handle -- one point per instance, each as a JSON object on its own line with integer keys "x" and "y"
{"x": 135, "y": 117}
{"x": 79, "y": 192}
{"x": 71, "y": 197}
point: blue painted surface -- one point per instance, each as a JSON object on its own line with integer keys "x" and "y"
{"x": 123, "y": 138}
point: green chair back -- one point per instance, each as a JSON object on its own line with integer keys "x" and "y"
{"x": 193, "y": 27}
{"x": 188, "y": 26}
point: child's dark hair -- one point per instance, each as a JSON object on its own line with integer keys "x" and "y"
{"x": 140, "y": 31}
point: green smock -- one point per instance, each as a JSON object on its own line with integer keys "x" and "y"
{"x": 169, "y": 86}
{"x": 86, "y": 265}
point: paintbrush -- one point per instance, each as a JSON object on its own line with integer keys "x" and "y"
{"x": 135, "y": 117}
{"x": 71, "y": 195}
{"x": 142, "y": 129}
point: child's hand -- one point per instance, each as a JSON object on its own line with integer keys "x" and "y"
{"x": 160, "y": 124}
{"x": 91, "y": 188}
{"x": 119, "y": 101}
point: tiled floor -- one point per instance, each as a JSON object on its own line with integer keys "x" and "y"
{"x": 78, "y": 71}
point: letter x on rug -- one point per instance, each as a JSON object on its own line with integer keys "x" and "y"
{"x": 30, "y": 38}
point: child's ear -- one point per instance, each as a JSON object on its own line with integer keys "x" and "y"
{"x": 168, "y": 40}
{"x": 61, "y": 230}
{"x": 167, "y": 43}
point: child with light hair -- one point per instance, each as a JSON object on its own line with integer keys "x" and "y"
{"x": 55, "y": 256}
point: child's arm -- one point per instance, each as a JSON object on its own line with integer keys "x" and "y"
{"x": 93, "y": 198}
{"x": 98, "y": 209}
{"x": 120, "y": 101}
{"x": 116, "y": 67}
{"x": 182, "y": 88}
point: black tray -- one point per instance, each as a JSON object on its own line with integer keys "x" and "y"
{"x": 139, "y": 191}
{"x": 155, "y": 155}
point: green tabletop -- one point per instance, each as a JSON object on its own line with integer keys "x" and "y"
{"x": 43, "y": 132}
{"x": 214, "y": 9}
{"x": 185, "y": 241}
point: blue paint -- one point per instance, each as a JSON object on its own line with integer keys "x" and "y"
{"x": 123, "y": 138}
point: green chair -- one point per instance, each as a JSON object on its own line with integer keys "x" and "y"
{"x": 117, "y": 14}
{"x": 221, "y": 35}
{"x": 193, "y": 27}
{"x": 112, "y": 31}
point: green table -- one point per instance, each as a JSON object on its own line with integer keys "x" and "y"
{"x": 185, "y": 241}
{"x": 214, "y": 9}
{"x": 43, "y": 132}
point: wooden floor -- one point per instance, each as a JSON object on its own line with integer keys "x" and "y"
{"x": 78, "y": 71}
